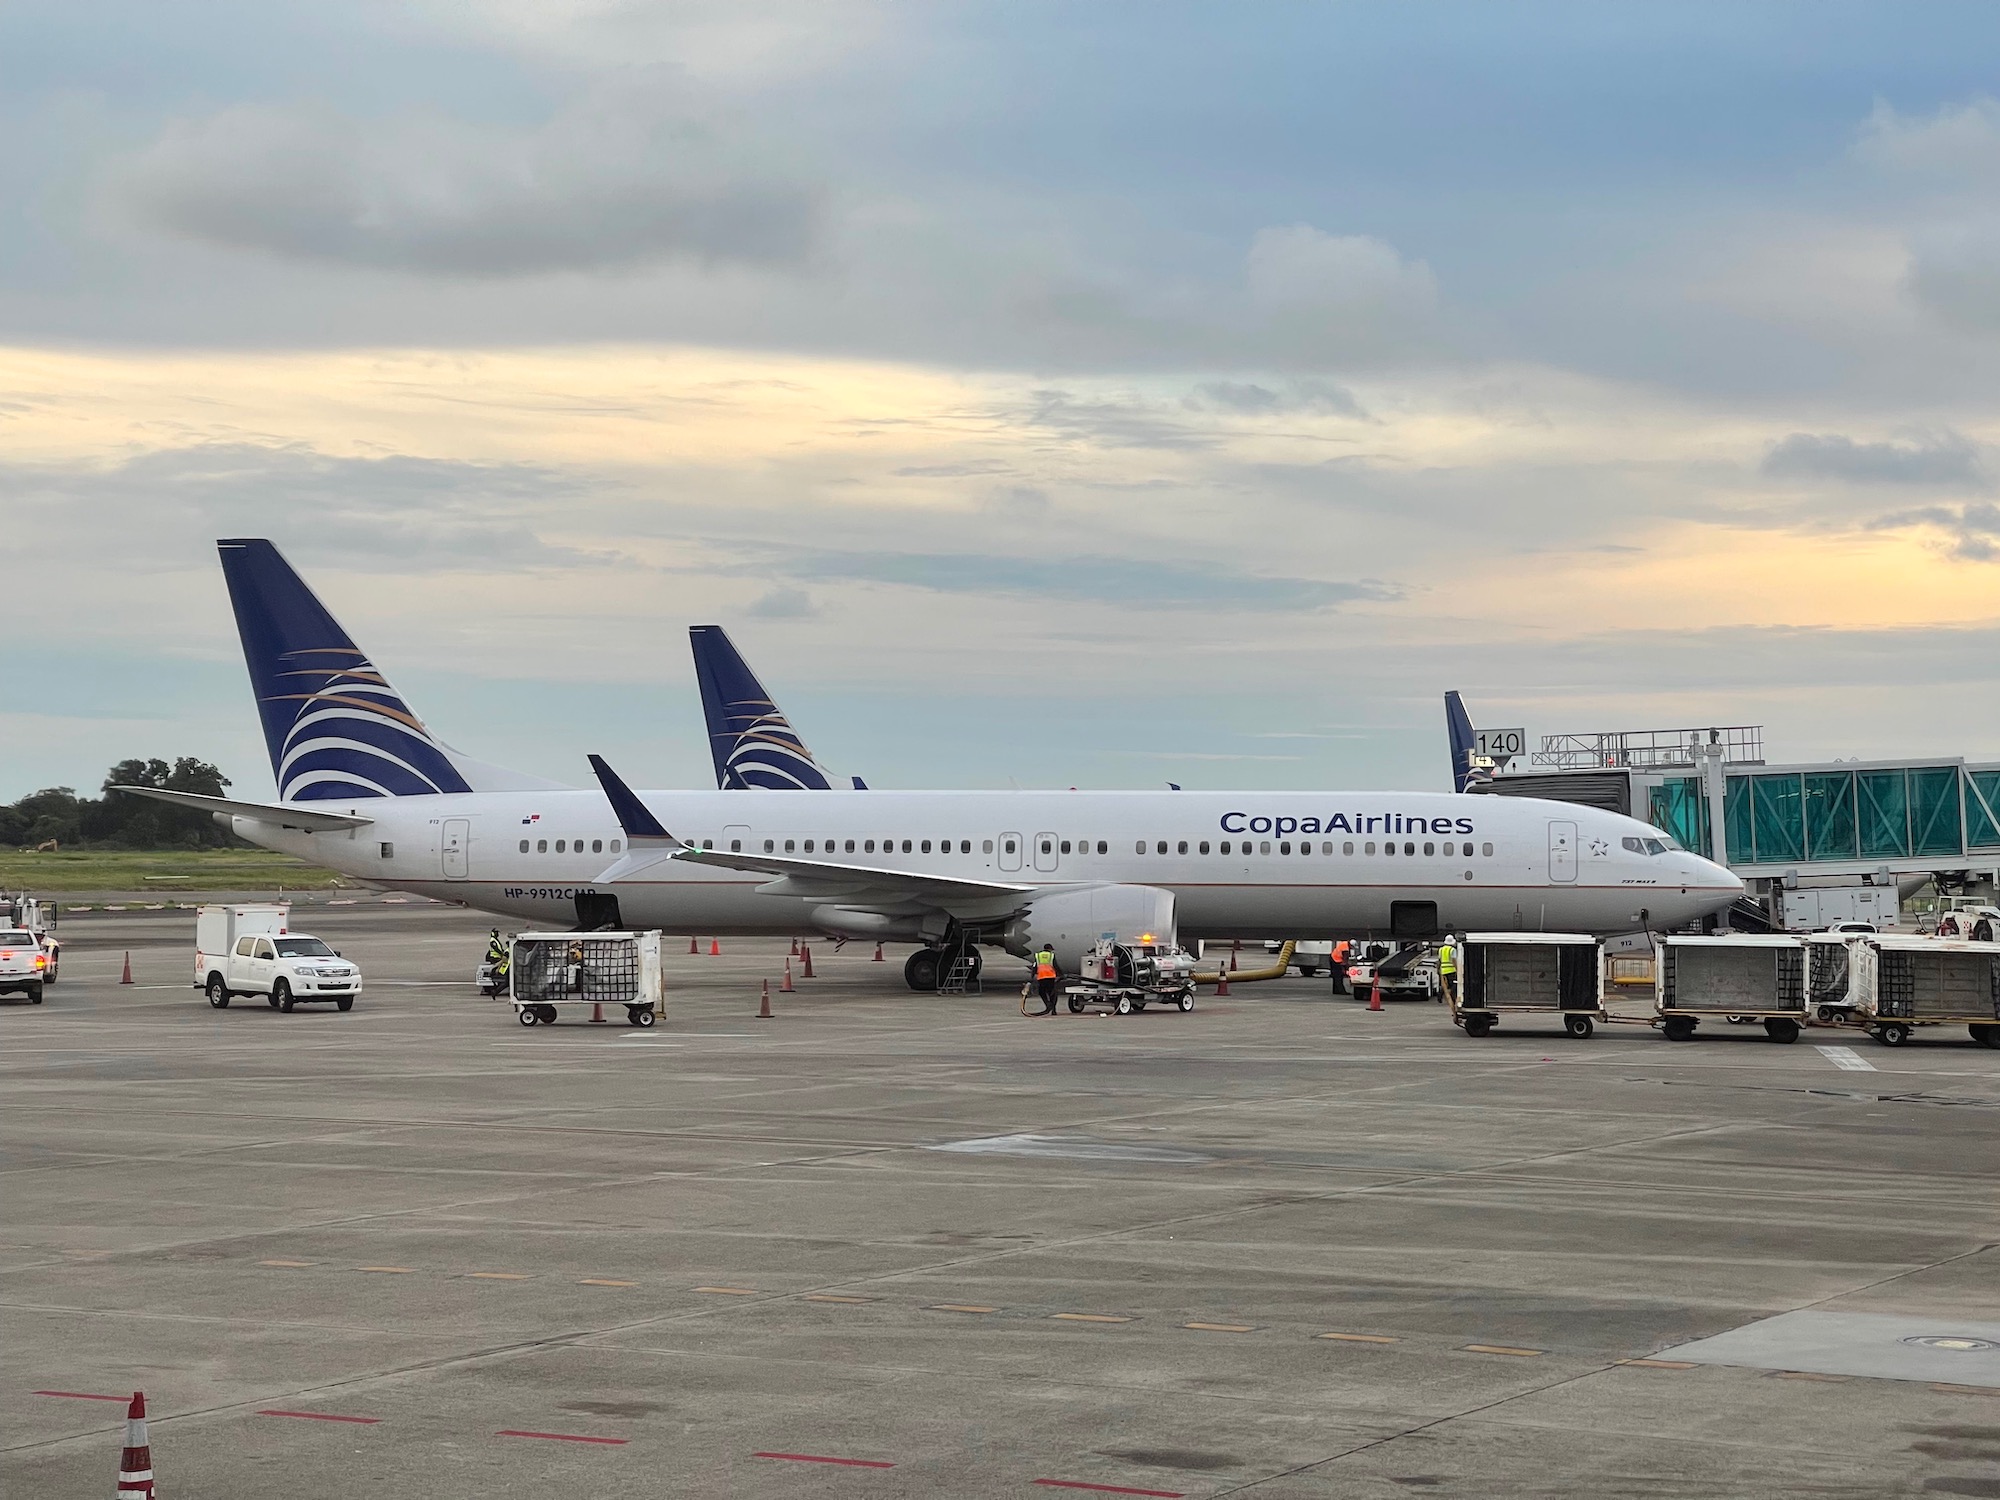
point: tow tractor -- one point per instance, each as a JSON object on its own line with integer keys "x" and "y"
{"x": 1128, "y": 977}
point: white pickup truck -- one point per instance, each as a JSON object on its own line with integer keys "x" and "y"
{"x": 249, "y": 950}
{"x": 23, "y": 964}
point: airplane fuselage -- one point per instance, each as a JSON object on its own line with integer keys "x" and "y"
{"x": 1240, "y": 864}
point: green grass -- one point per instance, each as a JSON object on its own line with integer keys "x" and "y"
{"x": 170, "y": 869}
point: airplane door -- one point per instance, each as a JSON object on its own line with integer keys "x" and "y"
{"x": 1010, "y": 851}
{"x": 1562, "y": 851}
{"x": 736, "y": 838}
{"x": 452, "y": 848}
{"x": 1045, "y": 852}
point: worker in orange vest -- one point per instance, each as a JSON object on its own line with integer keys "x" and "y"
{"x": 1337, "y": 963}
{"x": 1045, "y": 978}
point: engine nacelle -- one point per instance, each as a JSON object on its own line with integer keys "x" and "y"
{"x": 1071, "y": 919}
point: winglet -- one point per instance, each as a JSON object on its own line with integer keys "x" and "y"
{"x": 633, "y": 815}
{"x": 859, "y": 784}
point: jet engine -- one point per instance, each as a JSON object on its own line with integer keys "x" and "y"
{"x": 1072, "y": 918}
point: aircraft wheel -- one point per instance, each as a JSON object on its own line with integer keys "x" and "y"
{"x": 1780, "y": 1029}
{"x": 920, "y": 970}
{"x": 1578, "y": 1026}
{"x": 526, "y": 1016}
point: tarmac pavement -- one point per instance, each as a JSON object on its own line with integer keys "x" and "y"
{"x": 886, "y": 1244}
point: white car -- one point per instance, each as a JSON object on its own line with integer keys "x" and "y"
{"x": 23, "y": 964}
{"x": 287, "y": 969}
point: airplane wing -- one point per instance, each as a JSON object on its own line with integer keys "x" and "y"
{"x": 264, "y": 812}
{"x": 649, "y": 844}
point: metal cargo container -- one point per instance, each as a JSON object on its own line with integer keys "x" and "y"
{"x": 1741, "y": 977}
{"x": 1904, "y": 982}
{"x": 1527, "y": 973}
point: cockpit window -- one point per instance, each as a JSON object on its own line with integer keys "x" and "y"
{"x": 1644, "y": 846}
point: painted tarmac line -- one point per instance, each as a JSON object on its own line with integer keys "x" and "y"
{"x": 1661, "y": 1364}
{"x": 388, "y": 1270}
{"x": 600, "y": 1281}
{"x": 562, "y": 1437}
{"x": 1846, "y": 1059}
{"x": 80, "y": 1396}
{"x": 964, "y": 1307}
{"x": 321, "y": 1416}
{"x": 821, "y": 1458}
{"x": 729, "y": 1291}
{"x": 1107, "y": 1489}
{"x": 1503, "y": 1349}
{"x": 497, "y": 1276}
{"x": 288, "y": 1263}
{"x": 1087, "y": 1318}
{"x": 828, "y": 1297}
{"x": 1221, "y": 1327}
{"x": 1359, "y": 1338}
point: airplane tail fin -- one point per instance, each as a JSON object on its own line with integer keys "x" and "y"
{"x": 753, "y": 743}
{"x": 335, "y": 727}
{"x": 1464, "y": 740}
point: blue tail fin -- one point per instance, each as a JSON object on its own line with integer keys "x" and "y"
{"x": 334, "y": 726}
{"x": 1458, "y": 725}
{"x": 753, "y": 743}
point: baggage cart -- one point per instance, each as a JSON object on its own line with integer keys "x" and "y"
{"x": 1741, "y": 977}
{"x": 1527, "y": 974}
{"x": 1830, "y": 970}
{"x": 1901, "y": 983}
{"x": 548, "y": 972}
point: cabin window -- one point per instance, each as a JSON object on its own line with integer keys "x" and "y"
{"x": 1430, "y": 848}
{"x": 559, "y": 846}
{"x": 850, "y": 846}
{"x": 524, "y": 846}
{"x": 1225, "y": 846}
{"x": 1347, "y": 848}
{"x": 1102, "y": 847}
{"x": 788, "y": 846}
{"x": 1264, "y": 846}
{"x": 1203, "y": 846}
{"x": 736, "y": 846}
{"x": 927, "y": 846}
{"x": 1368, "y": 848}
{"x": 906, "y": 846}
{"x": 1285, "y": 847}
{"x": 541, "y": 846}
{"x": 708, "y": 843}
{"x": 1065, "y": 846}
{"x": 868, "y": 846}
{"x": 1487, "y": 850}
{"x": 965, "y": 846}
{"x": 986, "y": 846}
{"x": 769, "y": 846}
{"x": 1448, "y": 850}
{"x": 388, "y": 851}
{"x": 614, "y": 846}
{"x": 809, "y": 846}
{"x": 597, "y": 846}
{"x": 1163, "y": 846}
{"x": 1048, "y": 846}
{"x": 1306, "y": 846}
{"x": 1183, "y": 846}
{"x": 1410, "y": 848}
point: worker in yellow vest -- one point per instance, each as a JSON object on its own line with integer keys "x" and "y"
{"x": 1045, "y": 978}
{"x": 1448, "y": 968}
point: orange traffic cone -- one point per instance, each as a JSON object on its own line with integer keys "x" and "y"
{"x": 1222, "y": 983}
{"x": 1375, "y": 995}
{"x": 806, "y": 961}
{"x": 135, "y": 1469}
{"x": 715, "y": 947}
{"x": 764, "y": 1010}
{"x": 128, "y": 967}
{"x": 795, "y": 947}
{"x": 596, "y": 1013}
{"x": 878, "y": 955}
{"x": 694, "y": 945}
{"x": 1235, "y": 948}
{"x": 786, "y": 987}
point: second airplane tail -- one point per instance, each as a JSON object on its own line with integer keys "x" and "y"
{"x": 753, "y": 743}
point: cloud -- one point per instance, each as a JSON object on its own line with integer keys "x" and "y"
{"x": 1300, "y": 269}
{"x": 1244, "y": 398}
{"x": 1959, "y": 143}
{"x": 1946, "y": 459}
{"x": 1974, "y": 529}
{"x": 785, "y": 604}
{"x": 617, "y": 181}
{"x": 1130, "y": 583}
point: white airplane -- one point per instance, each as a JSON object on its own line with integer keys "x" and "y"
{"x": 366, "y": 789}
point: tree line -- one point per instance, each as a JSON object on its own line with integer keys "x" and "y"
{"x": 57, "y": 815}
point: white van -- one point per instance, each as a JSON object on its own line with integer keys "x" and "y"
{"x": 250, "y": 950}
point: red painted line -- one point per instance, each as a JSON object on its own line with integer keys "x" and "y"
{"x": 321, "y": 1416}
{"x": 1107, "y": 1489}
{"x": 81, "y": 1396}
{"x": 562, "y": 1437}
{"x": 817, "y": 1458}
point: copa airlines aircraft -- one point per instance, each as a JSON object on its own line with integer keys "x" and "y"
{"x": 366, "y": 789}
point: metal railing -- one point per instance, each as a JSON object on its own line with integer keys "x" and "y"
{"x": 1650, "y": 749}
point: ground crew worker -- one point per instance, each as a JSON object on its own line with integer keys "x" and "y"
{"x": 495, "y": 949}
{"x": 1337, "y": 962}
{"x": 1045, "y": 978}
{"x": 1448, "y": 968}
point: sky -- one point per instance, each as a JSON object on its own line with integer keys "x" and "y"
{"x": 1041, "y": 395}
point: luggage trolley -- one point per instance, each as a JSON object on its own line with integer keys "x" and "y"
{"x": 1527, "y": 973}
{"x": 1901, "y": 983}
{"x": 1741, "y": 976}
{"x": 1830, "y": 970}
{"x": 550, "y": 970}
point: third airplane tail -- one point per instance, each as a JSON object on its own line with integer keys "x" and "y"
{"x": 753, "y": 743}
